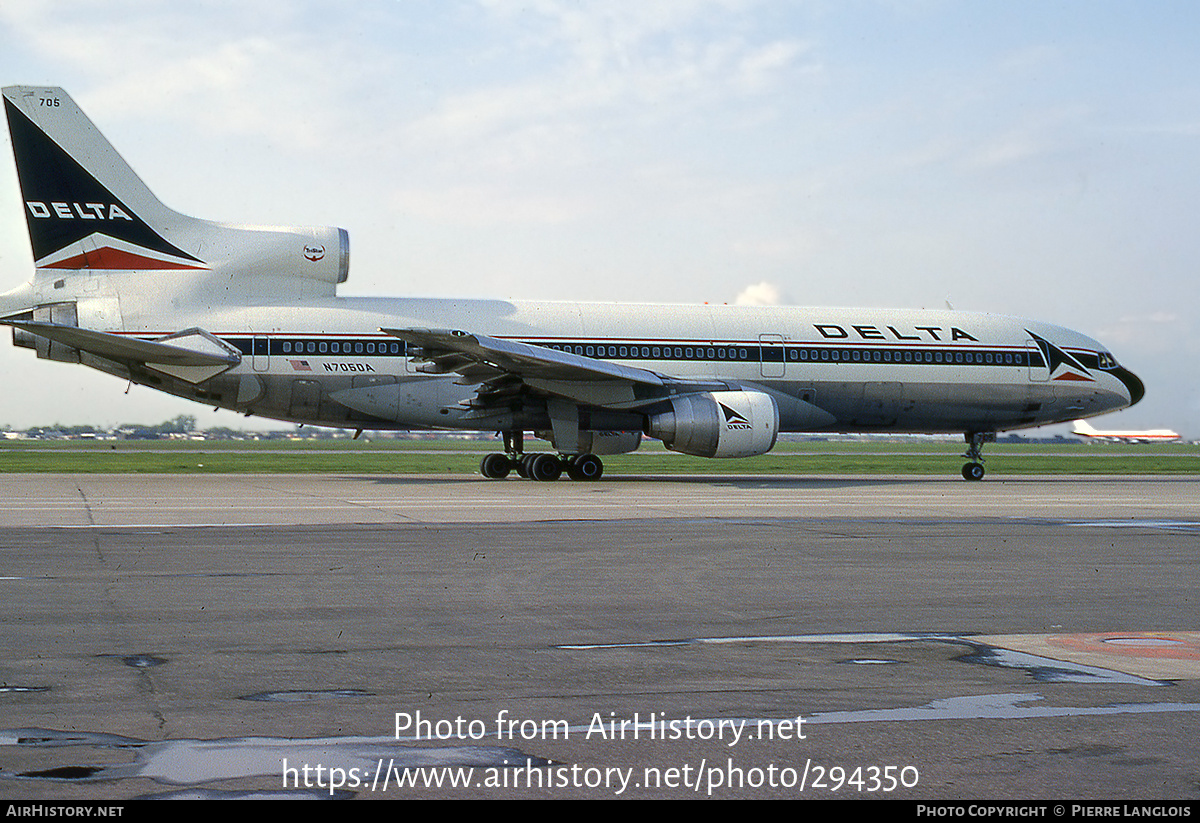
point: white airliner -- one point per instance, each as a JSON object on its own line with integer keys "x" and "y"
{"x": 1084, "y": 429}
{"x": 249, "y": 319}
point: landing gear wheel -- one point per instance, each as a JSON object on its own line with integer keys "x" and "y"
{"x": 973, "y": 470}
{"x": 495, "y": 466}
{"x": 545, "y": 467}
{"x": 585, "y": 467}
{"x": 522, "y": 465}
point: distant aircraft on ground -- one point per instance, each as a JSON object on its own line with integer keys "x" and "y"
{"x": 248, "y": 318}
{"x": 1084, "y": 429}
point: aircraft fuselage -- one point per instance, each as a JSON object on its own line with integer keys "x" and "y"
{"x": 325, "y": 362}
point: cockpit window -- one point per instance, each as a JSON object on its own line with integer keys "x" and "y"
{"x": 1105, "y": 360}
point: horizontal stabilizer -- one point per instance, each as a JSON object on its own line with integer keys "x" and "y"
{"x": 193, "y": 347}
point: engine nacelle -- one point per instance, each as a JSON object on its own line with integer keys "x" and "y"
{"x": 319, "y": 253}
{"x": 718, "y": 424}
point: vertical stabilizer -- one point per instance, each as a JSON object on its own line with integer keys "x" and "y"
{"x": 87, "y": 210}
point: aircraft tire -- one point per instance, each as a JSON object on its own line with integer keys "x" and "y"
{"x": 495, "y": 466}
{"x": 972, "y": 471}
{"x": 545, "y": 467}
{"x": 585, "y": 467}
{"x": 522, "y": 464}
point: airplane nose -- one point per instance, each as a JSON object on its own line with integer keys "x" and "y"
{"x": 1137, "y": 390}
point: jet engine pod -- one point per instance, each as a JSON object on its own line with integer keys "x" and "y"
{"x": 718, "y": 424}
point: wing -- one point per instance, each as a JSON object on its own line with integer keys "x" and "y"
{"x": 640, "y": 399}
{"x": 498, "y": 366}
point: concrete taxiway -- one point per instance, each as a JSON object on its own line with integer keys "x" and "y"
{"x": 310, "y": 499}
{"x": 665, "y": 637}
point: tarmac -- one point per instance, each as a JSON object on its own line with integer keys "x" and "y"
{"x": 371, "y": 637}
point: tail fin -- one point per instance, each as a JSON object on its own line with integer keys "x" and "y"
{"x": 87, "y": 209}
{"x": 1083, "y": 427}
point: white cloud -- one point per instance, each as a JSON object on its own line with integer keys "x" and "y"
{"x": 761, "y": 294}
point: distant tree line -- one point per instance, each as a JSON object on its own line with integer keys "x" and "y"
{"x": 59, "y": 430}
{"x": 183, "y": 424}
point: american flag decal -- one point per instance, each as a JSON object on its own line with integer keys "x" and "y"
{"x": 300, "y": 365}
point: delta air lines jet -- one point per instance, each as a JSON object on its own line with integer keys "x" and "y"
{"x": 249, "y": 319}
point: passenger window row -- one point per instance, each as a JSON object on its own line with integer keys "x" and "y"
{"x": 795, "y": 354}
{"x": 382, "y": 348}
{"x": 799, "y": 354}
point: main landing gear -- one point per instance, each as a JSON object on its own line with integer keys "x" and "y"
{"x": 540, "y": 466}
{"x": 975, "y": 440}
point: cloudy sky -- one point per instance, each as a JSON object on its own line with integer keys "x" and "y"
{"x": 1038, "y": 159}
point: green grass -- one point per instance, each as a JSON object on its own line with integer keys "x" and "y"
{"x": 366, "y": 456}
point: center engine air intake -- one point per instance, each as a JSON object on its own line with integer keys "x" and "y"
{"x": 718, "y": 424}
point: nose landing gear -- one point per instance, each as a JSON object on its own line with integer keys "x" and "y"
{"x": 975, "y": 440}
